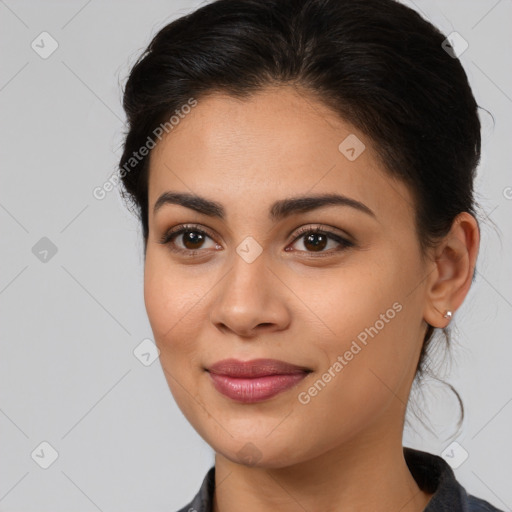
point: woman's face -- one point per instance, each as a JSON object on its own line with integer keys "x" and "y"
{"x": 255, "y": 287}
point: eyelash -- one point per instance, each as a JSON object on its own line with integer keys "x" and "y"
{"x": 169, "y": 236}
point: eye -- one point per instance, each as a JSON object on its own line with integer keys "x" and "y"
{"x": 191, "y": 238}
{"x": 315, "y": 240}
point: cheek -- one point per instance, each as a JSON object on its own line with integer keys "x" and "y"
{"x": 169, "y": 296}
{"x": 366, "y": 336}
{"x": 173, "y": 306}
{"x": 343, "y": 304}
{"x": 363, "y": 375}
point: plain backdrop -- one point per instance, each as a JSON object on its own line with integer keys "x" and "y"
{"x": 71, "y": 273}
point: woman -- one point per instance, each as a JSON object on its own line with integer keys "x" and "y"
{"x": 303, "y": 171}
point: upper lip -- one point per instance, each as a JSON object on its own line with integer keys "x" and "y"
{"x": 255, "y": 368}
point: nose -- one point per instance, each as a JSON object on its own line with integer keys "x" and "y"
{"x": 250, "y": 299}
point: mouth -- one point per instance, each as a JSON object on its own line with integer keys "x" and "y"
{"x": 256, "y": 380}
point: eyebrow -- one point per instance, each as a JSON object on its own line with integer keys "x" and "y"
{"x": 279, "y": 210}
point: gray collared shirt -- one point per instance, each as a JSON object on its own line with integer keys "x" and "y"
{"x": 431, "y": 472}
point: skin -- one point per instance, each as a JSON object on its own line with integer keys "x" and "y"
{"x": 343, "y": 449}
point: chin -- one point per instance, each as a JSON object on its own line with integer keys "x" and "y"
{"x": 259, "y": 452}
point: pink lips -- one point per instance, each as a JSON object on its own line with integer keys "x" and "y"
{"x": 256, "y": 380}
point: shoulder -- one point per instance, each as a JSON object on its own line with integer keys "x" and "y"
{"x": 203, "y": 500}
{"x": 479, "y": 505}
{"x": 434, "y": 475}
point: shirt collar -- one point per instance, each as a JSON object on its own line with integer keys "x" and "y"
{"x": 431, "y": 472}
{"x": 434, "y": 475}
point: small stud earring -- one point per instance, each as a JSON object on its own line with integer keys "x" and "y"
{"x": 448, "y": 314}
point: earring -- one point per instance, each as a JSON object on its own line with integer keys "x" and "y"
{"x": 448, "y": 314}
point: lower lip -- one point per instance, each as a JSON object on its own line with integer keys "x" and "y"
{"x": 255, "y": 389}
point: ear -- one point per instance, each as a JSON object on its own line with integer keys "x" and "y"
{"x": 452, "y": 273}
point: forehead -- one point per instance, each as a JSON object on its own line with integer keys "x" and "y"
{"x": 278, "y": 142}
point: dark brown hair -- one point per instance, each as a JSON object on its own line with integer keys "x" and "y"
{"x": 377, "y": 63}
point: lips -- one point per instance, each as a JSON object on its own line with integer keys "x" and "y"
{"x": 256, "y": 380}
{"x": 255, "y": 368}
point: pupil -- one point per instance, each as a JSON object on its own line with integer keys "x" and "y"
{"x": 192, "y": 237}
{"x": 316, "y": 245}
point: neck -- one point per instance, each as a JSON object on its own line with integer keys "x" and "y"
{"x": 367, "y": 473}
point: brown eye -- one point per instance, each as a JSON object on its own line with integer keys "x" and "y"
{"x": 315, "y": 240}
{"x": 187, "y": 240}
{"x": 192, "y": 239}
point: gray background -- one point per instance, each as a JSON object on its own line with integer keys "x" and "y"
{"x": 69, "y": 325}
